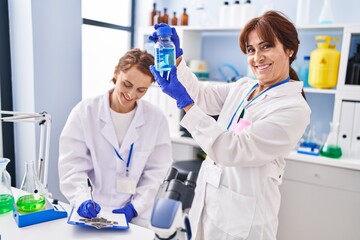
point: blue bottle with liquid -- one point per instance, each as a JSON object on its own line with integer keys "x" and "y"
{"x": 303, "y": 72}
{"x": 164, "y": 50}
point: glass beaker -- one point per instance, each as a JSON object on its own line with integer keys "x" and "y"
{"x": 6, "y": 196}
{"x": 331, "y": 148}
{"x": 31, "y": 197}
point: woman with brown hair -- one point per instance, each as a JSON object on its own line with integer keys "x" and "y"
{"x": 118, "y": 141}
{"x": 260, "y": 121}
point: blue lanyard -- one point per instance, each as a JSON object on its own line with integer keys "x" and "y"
{"x": 129, "y": 158}
{"x": 253, "y": 99}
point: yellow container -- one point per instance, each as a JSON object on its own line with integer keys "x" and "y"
{"x": 324, "y": 64}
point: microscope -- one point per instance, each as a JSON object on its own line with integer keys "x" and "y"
{"x": 169, "y": 217}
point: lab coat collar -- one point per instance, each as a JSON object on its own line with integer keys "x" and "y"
{"x": 108, "y": 130}
{"x": 290, "y": 88}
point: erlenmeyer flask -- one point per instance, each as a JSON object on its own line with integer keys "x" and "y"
{"x": 331, "y": 148}
{"x": 31, "y": 197}
{"x": 6, "y": 196}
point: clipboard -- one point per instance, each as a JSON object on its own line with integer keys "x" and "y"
{"x": 105, "y": 219}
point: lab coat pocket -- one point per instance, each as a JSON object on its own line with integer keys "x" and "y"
{"x": 234, "y": 212}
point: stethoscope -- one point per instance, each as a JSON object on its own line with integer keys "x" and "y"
{"x": 253, "y": 99}
{"x": 128, "y": 160}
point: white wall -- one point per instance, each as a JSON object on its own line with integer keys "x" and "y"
{"x": 45, "y": 39}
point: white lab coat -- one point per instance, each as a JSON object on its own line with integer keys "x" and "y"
{"x": 87, "y": 145}
{"x": 246, "y": 203}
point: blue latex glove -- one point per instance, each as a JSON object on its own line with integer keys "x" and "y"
{"x": 128, "y": 210}
{"x": 174, "y": 38}
{"x": 172, "y": 87}
{"x": 87, "y": 210}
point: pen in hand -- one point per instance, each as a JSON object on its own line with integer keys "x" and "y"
{"x": 91, "y": 192}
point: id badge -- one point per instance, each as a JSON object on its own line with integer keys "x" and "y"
{"x": 126, "y": 185}
{"x": 212, "y": 174}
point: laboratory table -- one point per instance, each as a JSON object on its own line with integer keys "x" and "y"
{"x": 60, "y": 229}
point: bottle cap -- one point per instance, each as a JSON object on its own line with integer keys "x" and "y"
{"x": 164, "y": 31}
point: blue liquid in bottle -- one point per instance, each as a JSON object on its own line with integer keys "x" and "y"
{"x": 164, "y": 50}
{"x": 165, "y": 59}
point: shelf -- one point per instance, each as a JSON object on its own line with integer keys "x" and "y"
{"x": 316, "y": 90}
{"x": 237, "y": 29}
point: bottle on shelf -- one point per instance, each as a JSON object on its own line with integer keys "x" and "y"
{"x": 303, "y": 12}
{"x": 324, "y": 63}
{"x": 224, "y": 15}
{"x": 152, "y": 14}
{"x": 174, "y": 20}
{"x": 247, "y": 12}
{"x": 326, "y": 14}
{"x": 157, "y": 17}
{"x": 235, "y": 13}
{"x": 165, "y": 17}
{"x": 164, "y": 50}
{"x": 303, "y": 72}
{"x": 184, "y": 19}
{"x": 201, "y": 14}
{"x": 331, "y": 147}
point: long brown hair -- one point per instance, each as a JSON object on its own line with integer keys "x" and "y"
{"x": 272, "y": 26}
{"x": 142, "y": 60}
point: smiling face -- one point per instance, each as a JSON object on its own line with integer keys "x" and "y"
{"x": 269, "y": 62}
{"x": 130, "y": 86}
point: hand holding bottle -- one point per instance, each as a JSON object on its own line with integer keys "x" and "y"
{"x": 174, "y": 38}
{"x": 172, "y": 87}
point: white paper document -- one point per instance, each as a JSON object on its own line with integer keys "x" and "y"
{"x": 105, "y": 219}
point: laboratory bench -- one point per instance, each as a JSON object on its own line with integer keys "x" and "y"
{"x": 60, "y": 229}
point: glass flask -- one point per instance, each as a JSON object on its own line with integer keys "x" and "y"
{"x": 31, "y": 197}
{"x": 6, "y": 196}
{"x": 331, "y": 148}
{"x": 164, "y": 50}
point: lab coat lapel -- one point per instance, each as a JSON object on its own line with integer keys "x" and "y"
{"x": 132, "y": 133}
{"x": 108, "y": 130}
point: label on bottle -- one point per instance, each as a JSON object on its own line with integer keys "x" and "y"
{"x": 164, "y": 59}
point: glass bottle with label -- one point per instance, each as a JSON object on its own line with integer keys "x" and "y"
{"x": 184, "y": 20}
{"x": 164, "y": 50}
{"x": 152, "y": 14}
{"x": 174, "y": 20}
{"x": 165, "y": 17}
{"x": 6, "y": 196}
